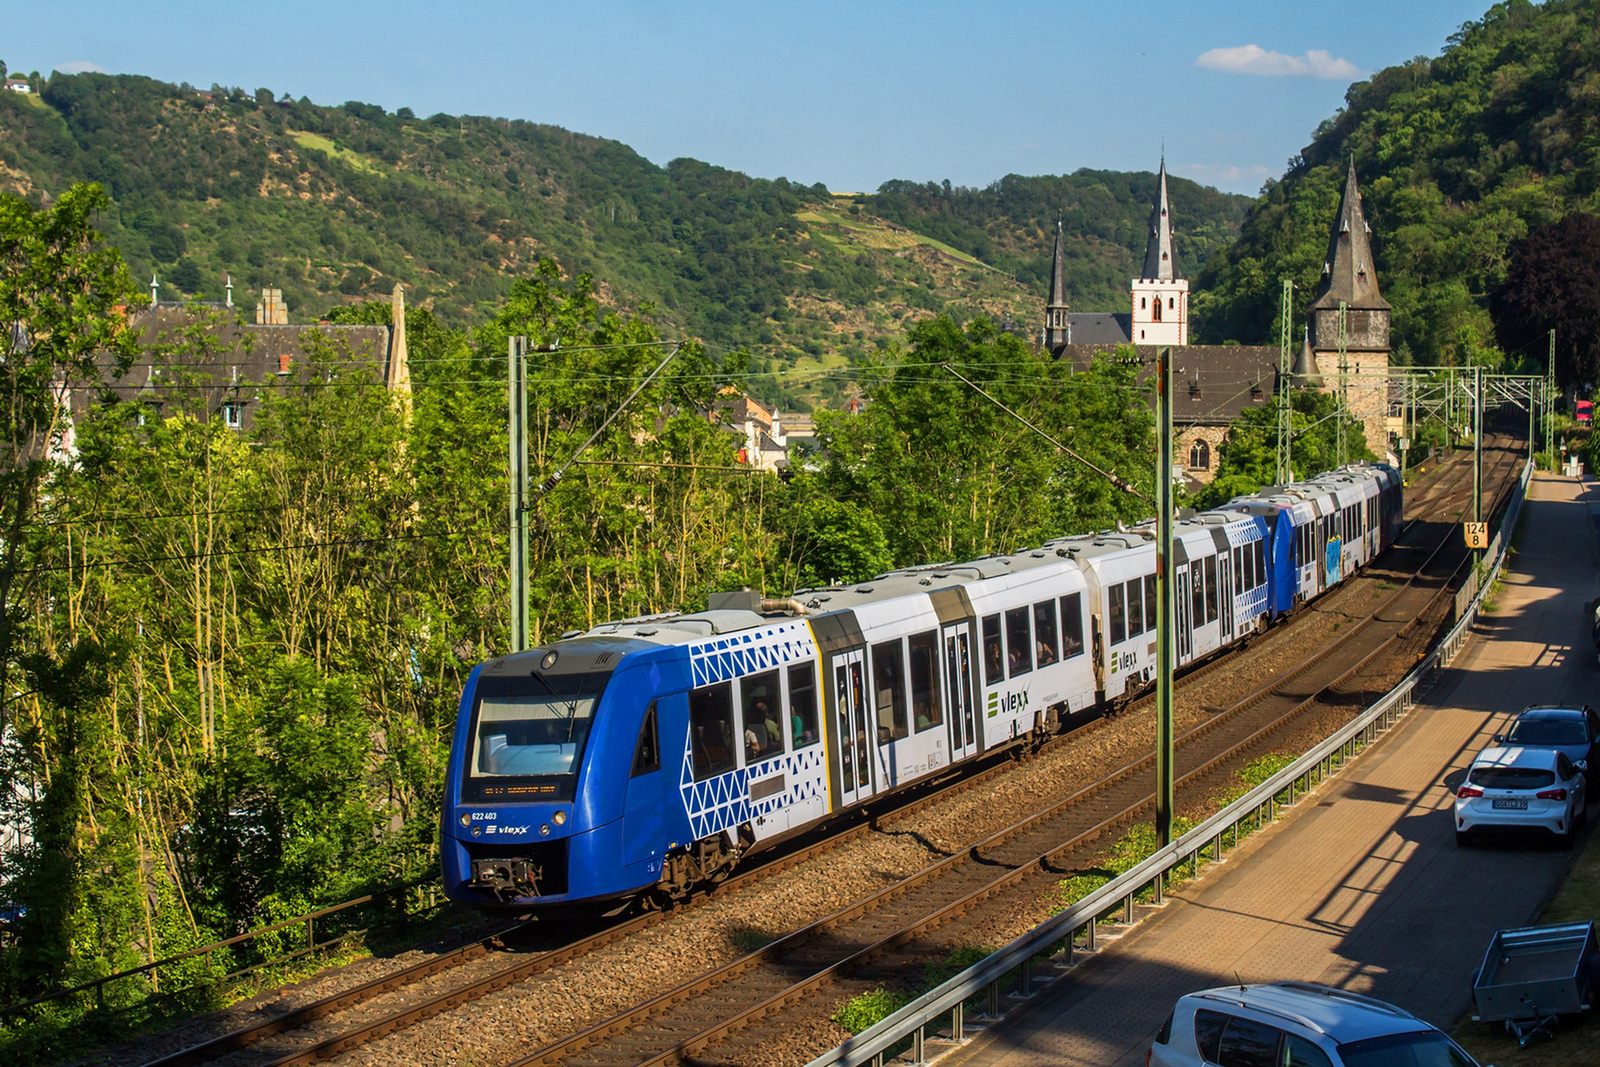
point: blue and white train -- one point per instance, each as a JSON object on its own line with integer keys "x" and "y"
{"x": 646, "y": 757}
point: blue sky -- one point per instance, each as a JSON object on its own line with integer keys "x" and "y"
{"x": 849, "y": 94}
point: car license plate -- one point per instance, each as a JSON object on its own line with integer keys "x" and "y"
{"x": 1511, "y": 805}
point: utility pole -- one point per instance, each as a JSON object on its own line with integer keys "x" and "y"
{"x": 1549, "y": 401}
{"x": 1477, "y": 448}
{"x": 1344, "y": 369}
{"x": 1165, "y": 605}
{"x": 517, "y": 437}
{"x": 1285, "y": 369}
{"x": 1531, "y": 424}
{"x": 1407, "y": 399}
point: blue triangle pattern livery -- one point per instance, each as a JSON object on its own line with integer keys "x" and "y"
{"x": 734, "y": 655}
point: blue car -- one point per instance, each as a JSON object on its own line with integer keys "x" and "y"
{"x": 1573, "y": 731}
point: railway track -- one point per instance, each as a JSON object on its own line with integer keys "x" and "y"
{"x": 1071, "y": 824}
{"x": 1015, "y": 865}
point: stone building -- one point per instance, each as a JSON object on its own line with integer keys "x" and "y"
{"x": 1349, "y": 277}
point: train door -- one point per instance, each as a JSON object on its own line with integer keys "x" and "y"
{"x": 850, "y": 726}
{"x": 1225, "y": 595}
{"x": 958, "y": 690}
{"x": 1180, "y": 598}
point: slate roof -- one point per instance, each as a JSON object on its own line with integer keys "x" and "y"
{"x": 1305, "y": 365}
{"x": 1099, "y": 328}
{"x": 239, "y": 360}
{"x": 1160, "y": 256}
{"x": 1058, "y": 273}
{"x": 1348, "y": 273}
{"x": 1211, "y": 384}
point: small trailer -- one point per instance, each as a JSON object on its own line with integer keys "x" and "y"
{"x": 1533, "y": 975}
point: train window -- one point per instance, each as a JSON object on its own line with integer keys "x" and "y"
{"x": 1211, "y": 589}
{"x": 532, "y": 727}
{"x": 1072, "y": 625}
{"x": 1261, "y": 562}
{"x": 1238, "y": 572}
{"x": 647, "y": 753}
{"x": 711, "y": 730}
{"x": 1044, "y": 633}
{"x": 1150, "y": 602}
{"x": 994, "y": 656}
{"x": 803, "y": 705}
{"x": 1197, "y": 594}
{"x": 1135, "y": 607}
{"x": 1019, "y": 642}
{"x": 762, "y": 712}
{"x": 926, "y": 710}
{"x": 1118, "y": 616}
{"x": 889, "y": 682}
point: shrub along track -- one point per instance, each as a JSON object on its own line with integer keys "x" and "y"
{"x": 430, "y": 988}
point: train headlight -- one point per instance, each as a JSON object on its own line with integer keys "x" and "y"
{"x": 466, "y": 818}
{"x": 559, "y": 818}
{"x": 548, "y": 661}
{"x": 545, "y": 829}
{"x": 477, "y": 831}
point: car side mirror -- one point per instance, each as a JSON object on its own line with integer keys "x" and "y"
{"x": 1499, "y": 737}
{"x": 1582, "y": 764}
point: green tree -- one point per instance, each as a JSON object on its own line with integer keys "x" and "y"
{"x": 1459, "y": 157}
{"x": 949, "y": 475}
{"x": 1248, "y": 456}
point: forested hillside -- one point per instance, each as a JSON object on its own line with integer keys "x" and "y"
{"x": 333, "y": 204}
{"x": 1010, "y": 224}
{"x": 1459, "y": 157}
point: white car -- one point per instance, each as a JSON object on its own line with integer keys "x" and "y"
{"x": 1297, "y": 1024}
{"x": 1515, "y": 790}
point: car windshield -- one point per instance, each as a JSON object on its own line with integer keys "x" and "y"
{"x": 1548, "y": 732}
{"x": 1511, "y": 777}
{"x": 534, "y": 725}
{"x": 1425, "y": 1048}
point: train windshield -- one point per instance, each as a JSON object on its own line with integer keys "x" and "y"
{"x": 528, "y": 734}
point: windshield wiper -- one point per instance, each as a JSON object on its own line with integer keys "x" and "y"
{"x": 572, "y": 709}
{"x": 572, "y": 705}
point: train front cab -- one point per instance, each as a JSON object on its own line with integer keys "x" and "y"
{"x": 556, "y": 775}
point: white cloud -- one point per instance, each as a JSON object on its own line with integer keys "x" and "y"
{"x": 1253, "y": 59}
{"x": 81, "y": 66}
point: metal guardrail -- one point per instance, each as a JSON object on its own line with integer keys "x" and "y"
{"x": 984, "y": 978}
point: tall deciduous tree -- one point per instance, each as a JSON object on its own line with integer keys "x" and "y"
{"x": 1553, "y": 281}
{"x": 60, "y": 288}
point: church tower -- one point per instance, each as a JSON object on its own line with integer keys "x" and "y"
{"x": 1349, "y": 277}
{"x": 1056, "y": 332}
{"x": 1160, "y": 295}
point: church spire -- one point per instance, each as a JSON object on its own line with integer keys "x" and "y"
{"x": 1348, "y": 273}
{"x": 1055, "y": 309}
{"x": 1160, "y": 258}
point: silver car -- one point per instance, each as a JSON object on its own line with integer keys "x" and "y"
{"x": 1520, "y": 791}
{"x": 1297, "y": 1024}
